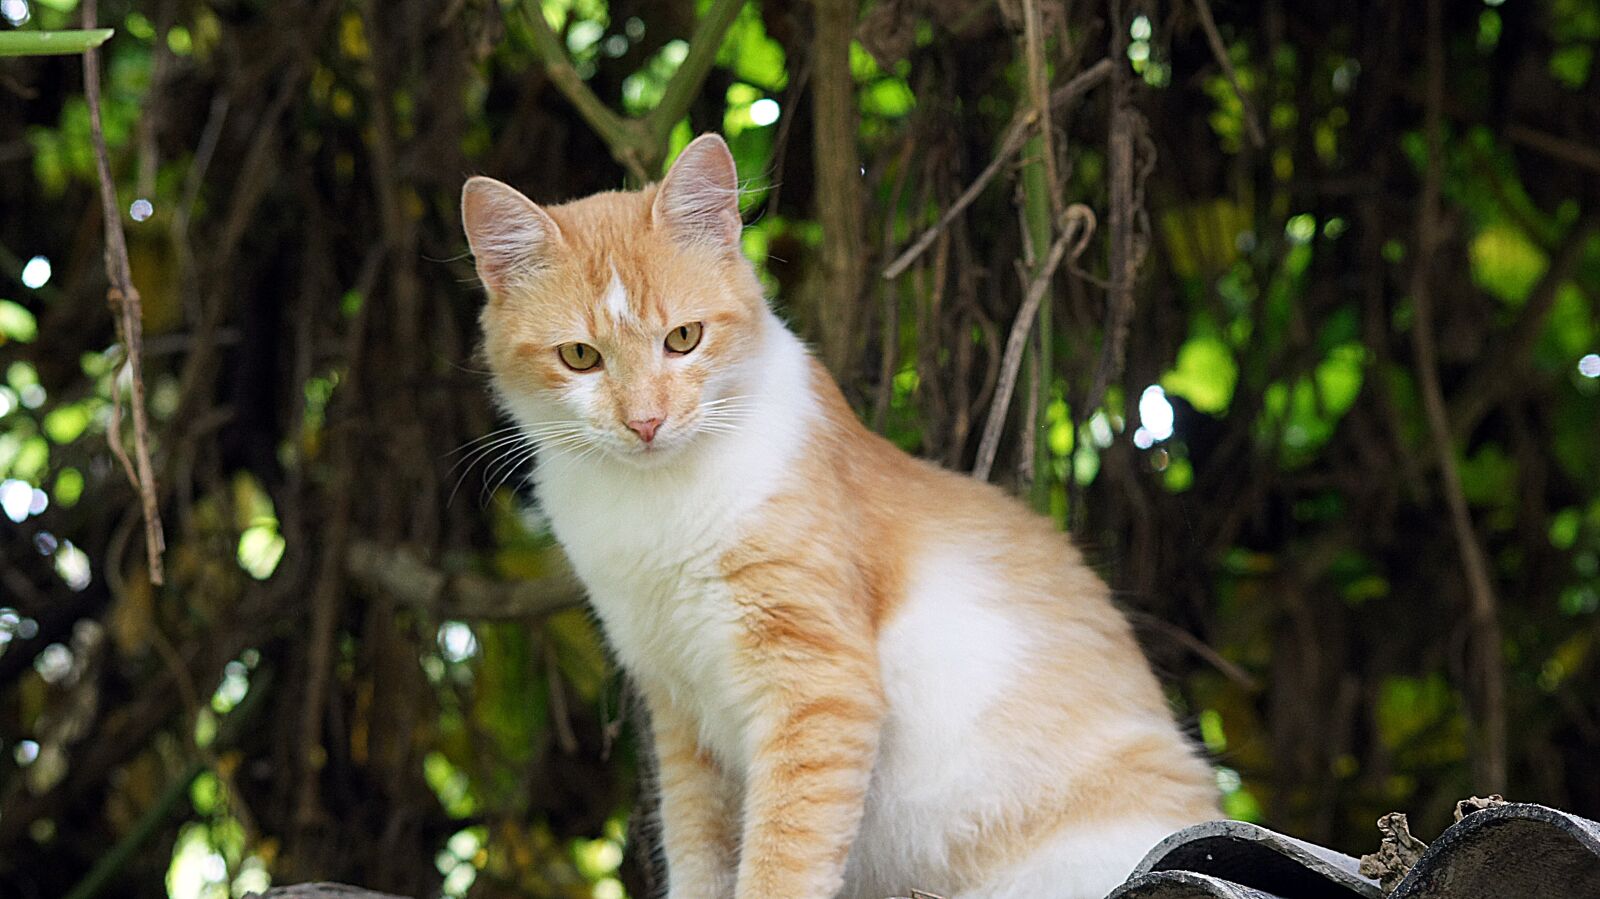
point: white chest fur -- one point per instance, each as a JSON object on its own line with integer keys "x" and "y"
{"x": 646, "y": 542}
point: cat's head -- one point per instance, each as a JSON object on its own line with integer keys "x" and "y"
{"x": 627, "y": 322}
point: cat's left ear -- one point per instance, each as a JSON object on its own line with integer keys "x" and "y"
{"x": 509, "y": 234}
{"x": 699, "y": 199}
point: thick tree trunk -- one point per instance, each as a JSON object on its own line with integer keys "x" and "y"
{"x": 838, "y": 186}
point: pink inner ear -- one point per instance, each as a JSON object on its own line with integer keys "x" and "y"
{"x": 699, "y": 200}
{"x": 509, "y": 234}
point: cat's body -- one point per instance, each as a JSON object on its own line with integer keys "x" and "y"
{"x": 866, "y": 674}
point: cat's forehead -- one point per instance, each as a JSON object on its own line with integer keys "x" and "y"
{"x": 602, "y": 218}
{"x": 627, "y": 275}
{"x": 622, "y": 295}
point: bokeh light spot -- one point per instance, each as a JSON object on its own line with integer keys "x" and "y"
{"x": 765, "y": 111}
{"x": 1155, "y": 413}
{"x": 36, "y": 273}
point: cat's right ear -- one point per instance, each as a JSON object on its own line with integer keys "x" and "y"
{"x": 699, "y": 199}
{"x": 510, "y": 235}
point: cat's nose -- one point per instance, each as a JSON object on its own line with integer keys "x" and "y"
{"x": 645, "y": 427}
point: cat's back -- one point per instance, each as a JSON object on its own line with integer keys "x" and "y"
{"x": 1022, "y": 715}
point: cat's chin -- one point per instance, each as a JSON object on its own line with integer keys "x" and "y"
{"x": 661, "y": 453}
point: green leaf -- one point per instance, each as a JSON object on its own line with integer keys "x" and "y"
{"x": 69, "y": 487}
{"x": 1339, "y": 377}
{"x": 1570, "y": 65}
{"x": 752, "y": 54}
{"x": 17, "y": 323}
{"x": 1506, "y": 263}
{"x": 66, "y": 423}
{"x": 1179, "y": 475}
{"x": 1420, "y": 719}
{"x": 889, "y": 97}
{"x": 1564, "y": 528}
{"x": 450, "y": 784}
{"x": 1205, "y": 374}
{"x": 1489, "y": 477}
{"x": 51, "y": 43}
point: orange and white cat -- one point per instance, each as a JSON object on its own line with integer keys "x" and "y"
{"x": 866, "y": 674}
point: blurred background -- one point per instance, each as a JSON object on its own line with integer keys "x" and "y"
{"x": 1313, "y": 377}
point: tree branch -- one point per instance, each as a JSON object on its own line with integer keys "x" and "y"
{"x": 625, "y": 138}
{"x": 640, "y": 145}
{"x": 1483, "y": 605}
{"x": 1220, "y": 51}
{"x": 838, "y": 183}
{"x": 402, "y": 574}
{"x": 1559, "y": 147}
{"x": 1078, "y": 222}
{"x": 51, "y": 43}
{"x": 1040, "y": 203}
{"x": 1125, "y": 202}
{"x": 1016, "y": 134}
{"x": 123, "y": 298}
{"x": 686, "y": 82}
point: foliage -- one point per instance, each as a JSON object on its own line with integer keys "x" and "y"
{"x": 1255, "y": 474}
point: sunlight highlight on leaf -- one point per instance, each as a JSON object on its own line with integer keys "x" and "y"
{"x": 1205, "y": 374}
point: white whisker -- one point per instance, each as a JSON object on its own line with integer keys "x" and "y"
{"x": 477, "y": 440}
{"x": 508, "y": 457}
{"x": 491, "y": 486}
{"x": 482, "y": 451}
{"x": 513, "y": 447}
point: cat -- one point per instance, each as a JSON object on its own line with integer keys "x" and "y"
{"x": 865, "y": 674}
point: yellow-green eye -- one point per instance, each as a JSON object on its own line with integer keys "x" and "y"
{"x": 578, "y": 356}
{"x": 684, "y": 338}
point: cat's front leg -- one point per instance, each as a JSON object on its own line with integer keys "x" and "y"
{"x": 699, "y": 809}
{"x": 816, "y": 740}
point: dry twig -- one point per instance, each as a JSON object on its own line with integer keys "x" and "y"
{"x": 123, "y": 298}
{"x": 403, "y": 575}
{"x": 1077, "y": 225}
{"x": 1125, "y": 202}
{"x": 1016, "y": 135}
{"x": 1220, "y": 51}
{"x": 1570, "y": 151}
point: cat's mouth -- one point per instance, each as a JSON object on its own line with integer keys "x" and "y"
{"x": 662, "y": 445}
{"x": 669, "y": 441}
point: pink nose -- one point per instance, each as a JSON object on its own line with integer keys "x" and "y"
{"x": 645, "y": 427}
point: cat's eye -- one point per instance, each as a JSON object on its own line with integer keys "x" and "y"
{"x": 578, "y": 356}
{"x": 684, "y": 338}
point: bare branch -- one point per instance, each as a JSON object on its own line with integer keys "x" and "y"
{"x": 1016, "y": 135}
{"x": 1077, "y": 222}
{"x": 638, "y": 144}
{"x": 123, "y": 298}
{"x": 1484, "y": 606}
{"x": 691, "y": 74}
{"x": 400, "y": 573}
{"x": 1221, "y": 53}
{"x": 1559, "y": 147}
{"x": 624, "y": 137}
